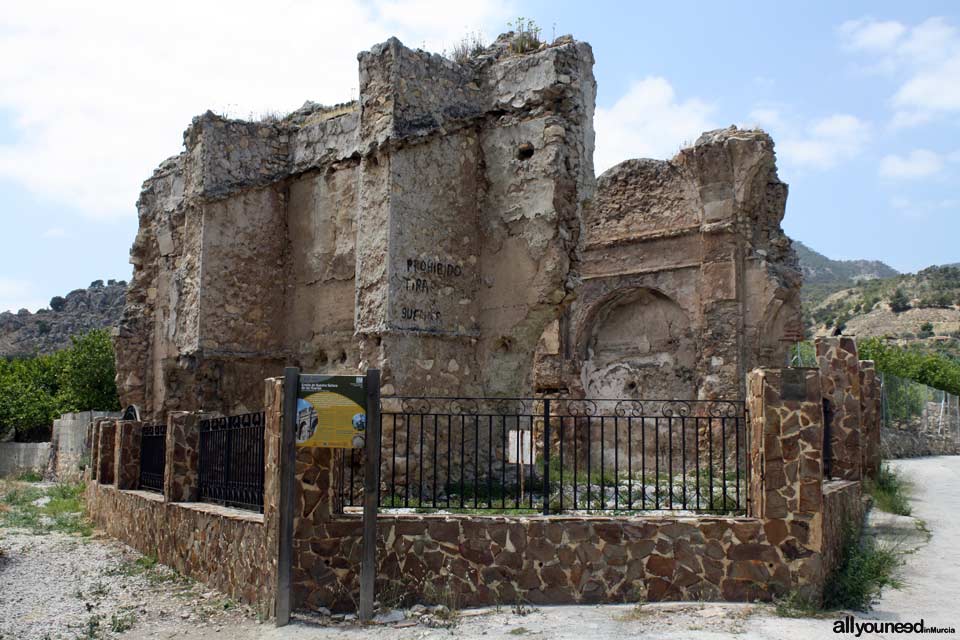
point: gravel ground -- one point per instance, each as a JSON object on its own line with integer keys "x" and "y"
{"x": 64, "y": 587}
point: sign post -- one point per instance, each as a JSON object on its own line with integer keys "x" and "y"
{"x": 331, "y": 412}
{"x": 371, "y": 481}
{"x": 288, "y": 465}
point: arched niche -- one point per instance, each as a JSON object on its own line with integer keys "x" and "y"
{"x": 638, "y": 344}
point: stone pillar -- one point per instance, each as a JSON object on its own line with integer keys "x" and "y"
{"x": 840, "y": 380}
{"x": 786, "y": 474}
{"x": 127, "y": 454}
{"x": 181, "y": 477}
{"x": 786, "y": 435}
{"x": 94, "y": 440}
{"x": 105, "y": 452}
{"x": 870, "y": 415}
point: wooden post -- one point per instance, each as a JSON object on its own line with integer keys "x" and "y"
{"x": 288, "y": 466}
{"x": 371, "y": 482}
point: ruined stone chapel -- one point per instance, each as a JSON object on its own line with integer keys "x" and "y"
{"x": 448, "y": 228}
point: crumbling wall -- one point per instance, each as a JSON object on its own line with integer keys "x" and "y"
{"x": 688, "y": 279}
{"x": 431, "y": 229}
{"x": 448, "y": 229}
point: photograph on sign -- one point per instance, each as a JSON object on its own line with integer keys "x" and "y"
{"x": 331, "y": 412}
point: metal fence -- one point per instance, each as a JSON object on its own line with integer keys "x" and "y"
{"x": 526, "y": 455}
{"x": 231, "y": 465}
{"x": 153, "y": 448}
{"x": 910, "y": 406}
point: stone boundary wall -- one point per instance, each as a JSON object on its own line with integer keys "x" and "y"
{"x": 222, "y": 547}
{"x": 491, "y": 560}
{"x": 16, "y": 457}
{"x": 70, "y": 448}
{"x": 232, "y": 550}
{"x": 842, "y": 508}
{"x": 789, "y": 543}
{"x": 908, "y": 443}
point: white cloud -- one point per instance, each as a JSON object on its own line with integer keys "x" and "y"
{"x": 918, "y": 163}
{"x": 825, "y": 142}
{"x": 648, "y": 122}
{"x": 926, "y": 55}
{"x": 924, "y": 208}
{"x": 55, "y": 232}
{"x": 100, "y": 92}
{"x": 18, "y": 294}
{"x": 871, "y": 35}
{"x": 765, "y": 118}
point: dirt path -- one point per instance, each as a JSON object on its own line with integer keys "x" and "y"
{"x": 60, "y": 586}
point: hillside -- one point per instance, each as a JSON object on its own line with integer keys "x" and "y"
{"x": 47, "y": 330}
{"x": 918, "y": 310}
{"x": 823, "y": 276}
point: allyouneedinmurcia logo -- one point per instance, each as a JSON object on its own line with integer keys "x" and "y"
{"x": 848, "y": 625}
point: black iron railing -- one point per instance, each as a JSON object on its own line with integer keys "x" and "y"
{"x": 153, "y": 448}
{"x": 558, "y": 455}
{"x": 231, "y": 465}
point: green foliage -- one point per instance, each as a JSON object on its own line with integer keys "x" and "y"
{"x": 57, "y": 303}
{"x": 864, "y": 570}
{"x": 62, "y": 509}
{"x": 899, "y": 301}
{"x": 34, "y": 391}
{"x": 932, "y": 369}
{"x": 469, "y": 46}
{"x": 526, "y": 35}
{"x": 87, "y": 377}
{"x": 889, "y": 492}
{"x": 926, "y": 330}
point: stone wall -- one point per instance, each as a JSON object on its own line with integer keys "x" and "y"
{"x": 910, "y": 443}
{"x": 393, "y": 232}
{"x": 70, "y": 446}
{"x": 840, "y": 379}
{"x": 223, "y": 547}
{"x": 843, "y": 511}
{"x": 16, "y": 457}
{"x": 232, "y": 550}
{"x": 688, "y": 279}
{"x": 789, "y": 542}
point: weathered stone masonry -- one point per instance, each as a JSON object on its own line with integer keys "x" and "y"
{"x": 448, "y": 229}
{"x": 790, "y": 542}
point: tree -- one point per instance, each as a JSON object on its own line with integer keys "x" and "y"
{"x": 57, "y": 303}
{"x": 87, "y": 376}
{"x": 899, "y": 301}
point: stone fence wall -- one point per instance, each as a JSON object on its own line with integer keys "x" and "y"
{"x": 789, "y": 542}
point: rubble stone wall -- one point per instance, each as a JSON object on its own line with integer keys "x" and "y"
{"x": 688, "y": 279}
{"x": 225, "y": 548}
{"x": 840, "y": 379}
{"x": 395, "y": 232}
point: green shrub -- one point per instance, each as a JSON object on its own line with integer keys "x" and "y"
{"x": 526, "y": 36}
{"x": 899, "y": 301}
{"x": 889, "y": 492}
{"x": 932, "y": 369}
{"x": 864, "y": 570}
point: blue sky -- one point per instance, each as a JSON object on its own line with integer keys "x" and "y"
{"x": 862, "y": 99}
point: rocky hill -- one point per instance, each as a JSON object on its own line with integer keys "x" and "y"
{"x": 920, "y": 309}
{"x": 823, "y": 276}
{"x": 99, "y": 306}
